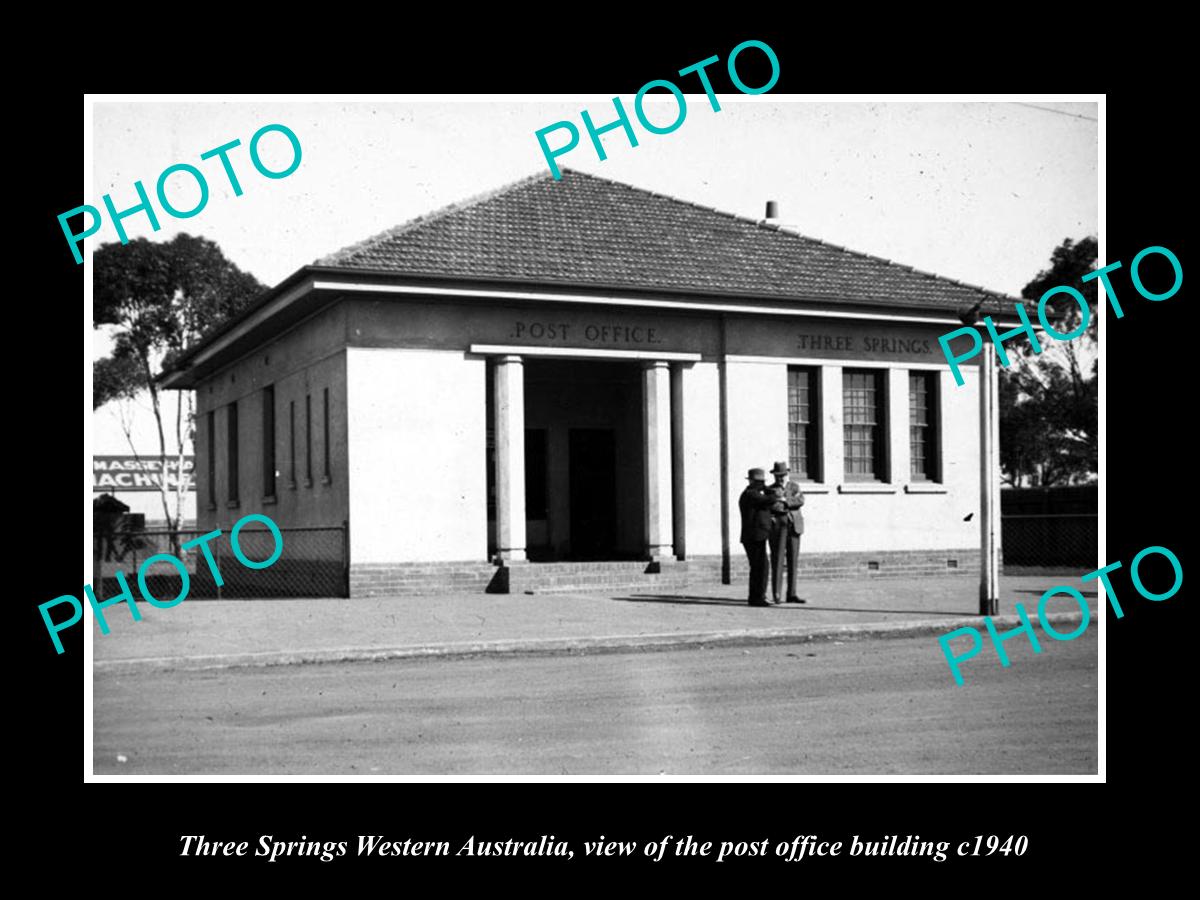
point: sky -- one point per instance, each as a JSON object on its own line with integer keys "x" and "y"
{"x": 979, "y": 192}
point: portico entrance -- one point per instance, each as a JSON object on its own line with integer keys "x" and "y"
{"x": 583, "y": 463}
{"x": 580, "y": 455}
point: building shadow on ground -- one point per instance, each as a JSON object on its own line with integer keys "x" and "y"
{"x": 723, "y": 601}
{"x": 1039, "y": 593}
{"x": 681, "y": 598}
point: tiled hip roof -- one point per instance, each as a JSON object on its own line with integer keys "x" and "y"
{"x": 587, "y": 231}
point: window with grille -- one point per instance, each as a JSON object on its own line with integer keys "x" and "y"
{"x": 864, "y": 405}
{"x": 803, "y": 418}
{"x": 923, "y": 425}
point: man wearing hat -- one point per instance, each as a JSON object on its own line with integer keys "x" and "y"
{"x": 755, "y": 506}
{"x": 787, "y": 524}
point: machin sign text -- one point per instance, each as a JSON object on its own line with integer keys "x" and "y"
{"x": 129, "y": 473}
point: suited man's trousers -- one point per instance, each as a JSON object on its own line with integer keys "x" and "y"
{"x": 756, "y": 552}
{"x": 783, "y": 542}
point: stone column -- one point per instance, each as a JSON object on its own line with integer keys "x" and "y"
{"x": 509, "y": 386}
{"x": 656, "y": 418}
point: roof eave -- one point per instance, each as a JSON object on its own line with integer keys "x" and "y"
{"x": 260, "y": 301}
{"x": 178, "y": 376}
{"x": 993, "y": 302}
{"x": 314, "y": 285}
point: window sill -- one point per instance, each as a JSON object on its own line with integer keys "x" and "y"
{"x": 308, "y": 482}
{"x": 211, "y": 507}
{"x": 867, "y": 487}
{"x": 234, "y": 504}
{"x": 269, "y": 500}
{"x": 925, "y": 487}
{"x": 325, "y": 479}
{"x": 291, "y": 485}
{"x": 813, "y": 487}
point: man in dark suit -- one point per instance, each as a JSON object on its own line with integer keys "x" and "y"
{"x": 787, "y": 524}
{"x": 755, "y": 506}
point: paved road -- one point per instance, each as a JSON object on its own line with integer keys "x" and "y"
{"x": 875, "y": 706}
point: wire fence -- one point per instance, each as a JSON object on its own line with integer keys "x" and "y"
{"x": 1050, "y": 541}
{"x": 314, "y": 562}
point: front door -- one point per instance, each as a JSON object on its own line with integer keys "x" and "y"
{"x": 593, "y": 493}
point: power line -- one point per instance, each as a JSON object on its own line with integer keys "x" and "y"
{"x": 1059, "y": 111}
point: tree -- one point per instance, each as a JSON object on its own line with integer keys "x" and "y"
{"x": 1049, "y": 418}
{"x": 161, "y": 298}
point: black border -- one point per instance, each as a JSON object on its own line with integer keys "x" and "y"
{"x": 1147, "y": 451}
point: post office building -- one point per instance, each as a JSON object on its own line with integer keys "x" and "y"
{"x": 563, "y": 383}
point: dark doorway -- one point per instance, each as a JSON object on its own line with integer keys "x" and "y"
{"x": 535, "y": 473}
{"x": 584, "y": 460}
{"x": 593, "y": 493}
{"x": 537, "y": 506}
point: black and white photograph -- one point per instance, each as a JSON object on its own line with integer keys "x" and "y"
{"x": 445, "y": 437}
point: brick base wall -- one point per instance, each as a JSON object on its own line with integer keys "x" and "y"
{"x": 882, "y": 564}
{"x": 414, "y": 579}
{"x": 409, "y": 579}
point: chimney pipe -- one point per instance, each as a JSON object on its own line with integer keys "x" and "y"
{"x": 772, "y": 210}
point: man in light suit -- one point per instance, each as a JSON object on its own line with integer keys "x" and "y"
{"x": 755, "y": 506}
{"x": 787, "y": 524}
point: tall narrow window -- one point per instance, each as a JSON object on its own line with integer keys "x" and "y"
{"x": 923, "y": 425}
{"x": 803, "y": 418}
{"x": 864, "y": 423}
{"x": 327, "y": 471}
{"x": 291, "y": 443}
{"x": 231, "y": 452}
{"x": 210, "y": 426}
{"x": 308, "y": 440}
{"x": 268, "y": 438}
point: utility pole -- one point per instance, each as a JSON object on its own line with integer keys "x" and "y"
{"x": 989, "y": 486}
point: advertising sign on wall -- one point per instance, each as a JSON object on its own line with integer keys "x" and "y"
{"x": 129, "y": 473}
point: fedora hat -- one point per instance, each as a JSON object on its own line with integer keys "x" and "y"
{"x": 756, "y": 475}
{"x": 780, "y": 468}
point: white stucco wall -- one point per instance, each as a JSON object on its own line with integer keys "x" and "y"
{"x": 702, "y": 458}
{"x": 417, "y": 463}
{"x": 758, "y": 426}
{"x": 418, "y": 480}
